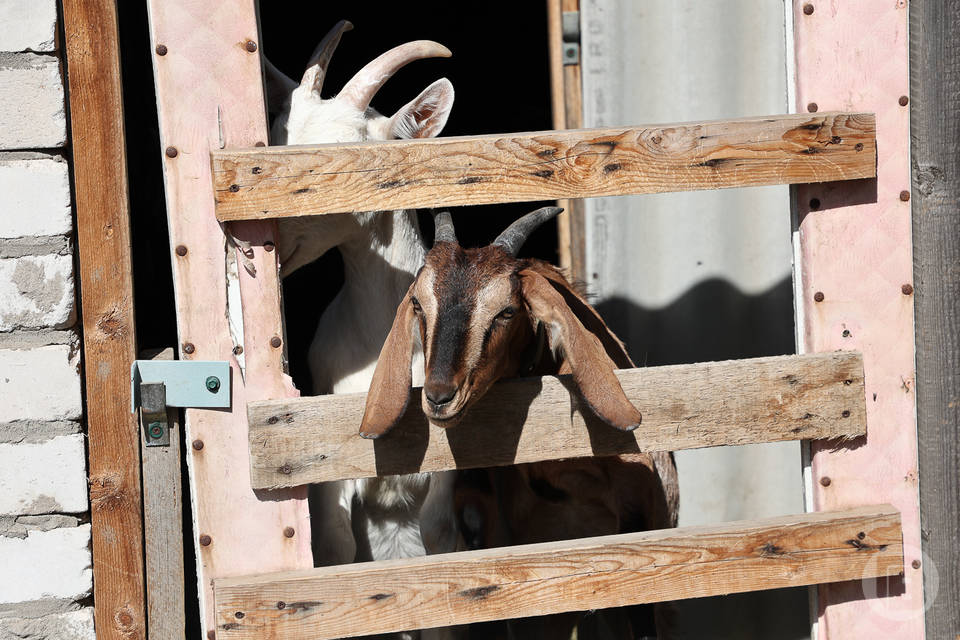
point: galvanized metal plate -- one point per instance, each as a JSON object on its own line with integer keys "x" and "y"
{"x": 196, "y": 384}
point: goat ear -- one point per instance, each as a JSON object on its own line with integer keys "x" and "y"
{"x": 425, "y": 115}
{"x": 551, "y": 301}
{"x": 390, "y": 388}
{"x": 279, "y": 87}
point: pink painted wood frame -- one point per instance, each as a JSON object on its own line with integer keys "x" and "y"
{"x": 210, "y": 95}
{"x": 856, "y": 285}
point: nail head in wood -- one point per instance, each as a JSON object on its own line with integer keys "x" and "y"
{"x": 818, "y": 296}
{"x": 825, "y": 481}
{"x": 904, "y": 195}
{"x": 275, "y": 342}
{"x": 812, "y": 107}
{"x": 181, "y": 250}
{"x": 289, "y": 532}
{"x": 205, "y": 540}
{"x": 915, "y": 564}
{"x": 259, "y": 143}
{"x": 197, "y": 445}
{"x": 237, "y": 350}
{"x": 268, "y": 246}
{"x": 239, "y": 615}
{"x": 907, "y": 289}
{"x": 161, "y": 49}
{"x": 814, "y": 204}
{"x": 846, "y": 333}
{"x": 172, "y": 152}
{"x": 281, "y": 605}
{"x": 904, "y": 101}
{"x": 251, "y": 46}
{"x": 808, "y": 9}
{"x": 188, "y": 347}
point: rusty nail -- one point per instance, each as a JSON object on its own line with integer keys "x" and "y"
{"x": 205, "y": 540}
{"x": 288, "y": 532}
{"x": 286, "y": 470}
{"x": 211, "y": 635}
{"x": 836, "y": 140}
{"x": 904, "y": 101}
{"x": 812, "y": 107}
{"x": 237, "y": 350}
{"x": 172, "y": 152}
{"x": 825, "y": 481}
{"x": 808, "y": 9}
{"x": 251, "y": 46}
{"x": 268, "y": 246}
{"x": 818, "y": 296}
{"x": 846, "y": 333}
{"x": 181, "y": 250}
{"x": 188, "y": 347}
{"x": 907, "y": 289}
{"x": 273, "y": 420}
{"x": 259, "y": 143}
{"x": 234, "y": 188}
{"x": 281, "y": 605}
{"x": 915, "y": 564}
{"x": 161, "y": 49}
{"x": 814, "y": 204}
{"x": 197, "y": 445}
{"x": 845, "y": 413}
{"x": 858, "y": 146}
{"x": 275, "y": 342}
{"x": 239, "y": 615}
{"x": 861, "y": 535}
{"x": 904, "y": 195}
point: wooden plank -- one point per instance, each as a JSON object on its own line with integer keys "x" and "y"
{"x": 526, "y": 420}
{"x": 855, "y": 250}
{"x": 611, "y": 571}
{"x": 441, "y": 172}
{"x": 109, "y": 340}
{"x": 210, "y": 94}
{"x": 163, "y": 531}
{"x": 934, "y": 120}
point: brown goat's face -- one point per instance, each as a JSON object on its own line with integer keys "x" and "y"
{"x": 473, "y": 326}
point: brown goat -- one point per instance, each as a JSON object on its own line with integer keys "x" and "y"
{"x": 484, "y": 314}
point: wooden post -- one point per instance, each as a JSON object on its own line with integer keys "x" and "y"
{"x": 855, "y": 292}
{"x": 210, "y": 96}
{"x": 935, "y": 127}
{"x": 109, "y": 343}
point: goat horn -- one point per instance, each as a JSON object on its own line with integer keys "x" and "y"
{"x": 443, "y": 228}
{"x": 361, "y": 88}
{"x": 320, "y": 60}
{"x": 517, "y": 233}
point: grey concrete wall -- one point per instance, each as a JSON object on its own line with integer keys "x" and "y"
{"x": 706, "y": 275}
{"x": 46, "y": 577}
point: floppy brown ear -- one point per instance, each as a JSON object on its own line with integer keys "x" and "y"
{"x": 390, "y": 387}
{"x": 584, "y": 351}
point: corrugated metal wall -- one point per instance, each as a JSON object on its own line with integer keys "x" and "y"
{"x": 706, "y": 275}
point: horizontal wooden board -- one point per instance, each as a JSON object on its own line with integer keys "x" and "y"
{"x": 301, "y": 440}
{"x": 511, "y": 582}
{"x": 275, "y": 182}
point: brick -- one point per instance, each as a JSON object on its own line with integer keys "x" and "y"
{"x": 42, "y": 383}
{"x": 72, "y": 625}
{"x": 43, "y": 477}
{"x": 28, "y": 25}
{"x": 36, "y": 292}
{"x": 46, "y": 565}
{"x": 31, "y": 102}
{"x": 34, "y": 195}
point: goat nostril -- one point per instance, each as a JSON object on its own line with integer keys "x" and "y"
{"x": 440, "y": 395}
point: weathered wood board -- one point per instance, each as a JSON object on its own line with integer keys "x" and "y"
{"x": 855, "y": 250}
{"x": 441, "y": 172}
{"x": 770, "y": 399}
{"x": 511, "y": 582}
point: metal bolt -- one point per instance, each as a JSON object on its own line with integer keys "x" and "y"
{"x": 259, "y": 143}
{"x": 205, "y": 540}
{"x": 846, "y": 333}
{"x": 213, "y": 384}
{"x": 251, "y": 46}
{"x": 845, "y": 413}
{"x": 234, "y": 188}
{"x": 907, "y": 289}
{"x": 904, "y": 195}
{"x": 858, "y": 146}
{"x": 172, "y": 152}
{"x": 161, "y": 49}
{"x": 814, "y": 204}
{"x": 181, "y": 250}
{"x": 188, "y": 347}
{"x": 197, "y": 445}
{"x": 812, "y": 107}
{"x": 239, "y": 615}
{"x": 904, "y": 101}
{"x": 288, "y": 532}
{"x": 818, "y": 296}
{"x": 275, "y": 342}
{"x": 808, "y": 9}
{"x": 286, "y": 470}
{"x": 281, "y": 605}
{"x": 268, "y": 246}
{"x": 915, "y": 564}
{"x": 825, "y": 481}
{"x": 237, "y": 350}
{"x": 861, "y": 535}
{"x": 835, "y": 139}
{"x": 155, "y": 430}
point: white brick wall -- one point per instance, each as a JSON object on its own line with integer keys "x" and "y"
{"x": 46, "y": 565}
{"x": 34, "y": 195}
{"x": 28, "y": 25}
{"x": 31, "y": 102}
{"x": 43, "y": 477}
{"x": 39, "y": 384}
{"x": 36, "y": 292}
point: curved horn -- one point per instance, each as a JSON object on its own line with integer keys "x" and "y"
{"x": 320, "y": 60}
{"x": 361, "y": 88}
{"x": 517, "y": 233}
{"x": 443, "y": 226}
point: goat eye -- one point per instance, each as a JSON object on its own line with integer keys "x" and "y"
{"x": 416, "y": 305}
{"x": 507, "y": 313}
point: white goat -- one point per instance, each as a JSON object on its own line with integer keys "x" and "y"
{"x": 378, "y": 518}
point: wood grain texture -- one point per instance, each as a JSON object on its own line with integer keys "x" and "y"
{"x": 685, "y": 406}
{"x": 210, "y": 95}
{"x": 163, "y": 531}
{"x": 692, "y": 562}
{"x": 441, "y": 172}
{"x": 855, "y": 248}
{"x": 935, "y": 129}
{"x": 109, "y": 340}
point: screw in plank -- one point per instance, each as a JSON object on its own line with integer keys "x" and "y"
{"x": 904, "y": 196}
{"x": 906, "y": 289}
{"x": 281, "y": 605}
{"x": 205, "y": 540}
{"x": 845, "y": 413}
{"x": 861, "y": 535}
{"x": 812, "y": 107}
{"x": 172, "y": 152}
{"x": 161, "y": 49}
{"x": 234, "y": 188}
{"x": 814, "y": 204}
{"x": 181, "y": 250}
{"x": 268, "y": 246}
{"x": 825, "y": 481}
{"x": 237, "y": 350}
{"x": 188, "y": 348}
{"x": 846, "y": 333}
{"x": 808, "y": 9}
{"x": 239, "y": 615}
{"x": 818, "y": 296}
{"x": 259, "y": 143}
{"x": 286, "y": 469}
{"x": 251, "y": 46}
{"x": 212, "y": 383}
{"x": 275, "y": 342}
{"x": 904, "y": 101}
{"x": 858, "y": 146}
{"x": 915, "y": 564}
{"x": 289, "y": 532}
{"x": 197, "y": 445}
{"x": 155, "y": 429}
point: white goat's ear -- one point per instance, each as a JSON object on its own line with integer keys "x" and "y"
{"x": 390, "y": 388}
{"x": 425, "y": 115}
{"x": 589, "y": 347}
